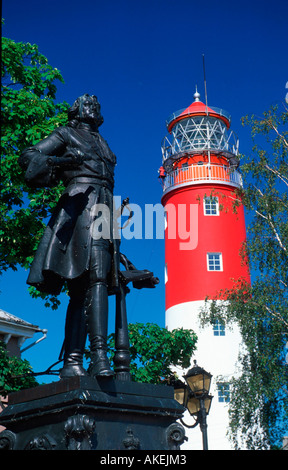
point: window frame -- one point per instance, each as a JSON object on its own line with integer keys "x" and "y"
{"x": 218, "y": 328}
{"x": 223, "y": 392}
{"x": 207, "y": 200}
{"x": 220, "y": 259}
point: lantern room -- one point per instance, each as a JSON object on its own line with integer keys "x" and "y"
{"x": 200, "y": 147}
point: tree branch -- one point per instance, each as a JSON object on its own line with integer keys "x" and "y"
{"x": 278, "y": 133}
{"x": 281, "y": 177}
{"x": 270, "y": 222}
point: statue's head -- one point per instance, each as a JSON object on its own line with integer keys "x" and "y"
{"x": 85, "y": 109}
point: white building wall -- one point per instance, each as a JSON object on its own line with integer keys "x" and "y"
{"x": 217, "y": 355}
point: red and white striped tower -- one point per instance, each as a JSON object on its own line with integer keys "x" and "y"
{"x": 203, "y": 240}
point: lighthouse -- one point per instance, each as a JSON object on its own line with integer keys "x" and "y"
{"x": 204, "y": 235}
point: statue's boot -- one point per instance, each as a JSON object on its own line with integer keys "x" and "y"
{"x": 97, "y": 320}
{"x": 73, "y": 365}
{"x": 100, "y": 365}
{"x": 75, "y": 339}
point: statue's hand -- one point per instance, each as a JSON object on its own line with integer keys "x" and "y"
{"x": 69, "y": 160}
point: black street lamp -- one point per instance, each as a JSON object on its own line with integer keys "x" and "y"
{"x": 195, "y": 397}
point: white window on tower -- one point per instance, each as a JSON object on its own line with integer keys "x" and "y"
{"x": 214, "y": 262}
{"x": 218, "y": 328}
{"x": 223, "y": 392}
{"x": 211, "y": 205}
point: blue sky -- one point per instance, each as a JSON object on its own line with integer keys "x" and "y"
{"x": 143, "y": 59}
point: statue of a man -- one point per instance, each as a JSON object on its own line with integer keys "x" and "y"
{"x": 68, "y": 252}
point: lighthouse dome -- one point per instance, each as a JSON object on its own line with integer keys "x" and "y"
{"x": 198, "y": 108}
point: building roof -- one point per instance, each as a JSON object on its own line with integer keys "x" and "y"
{"x": 197, "y": 108}
{"x": 11, "y": 323}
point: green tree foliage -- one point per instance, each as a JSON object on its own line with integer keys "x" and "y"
{"x": 28, "y": 113}
{"x": 15, "y": 373}
{"x": 155, "y": 351}
{"x": 260, "y": 393}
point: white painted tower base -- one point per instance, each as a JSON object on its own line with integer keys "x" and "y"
{"x": 217, "y": 355}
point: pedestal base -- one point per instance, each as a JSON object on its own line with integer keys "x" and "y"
{"x": 82, "y": 413}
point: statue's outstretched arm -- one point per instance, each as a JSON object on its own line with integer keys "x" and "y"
{"x": 43, "y": 160}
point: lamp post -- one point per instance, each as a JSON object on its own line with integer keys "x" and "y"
{"x": 194, "y": 395}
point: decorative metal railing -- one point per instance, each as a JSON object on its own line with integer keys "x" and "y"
{"x": 194, "y": 174}
{"x": 178, "y": 113}
{"x": 199, "y": 134}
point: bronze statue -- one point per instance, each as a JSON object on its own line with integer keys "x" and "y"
{"x": 69, "y": 250}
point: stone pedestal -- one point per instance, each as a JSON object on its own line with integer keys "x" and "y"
{"x": 82, "y": 413}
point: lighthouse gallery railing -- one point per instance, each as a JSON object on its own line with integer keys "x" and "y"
{"x": 198, "y": 173}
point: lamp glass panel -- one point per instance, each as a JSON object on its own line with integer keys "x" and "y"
{"x": 179, "y": 394}
{"x": 199, "y": 383}
{"x": 207, "y": 382}
{"x": 193, "y": 405}
{"x": 207, "y": 403}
